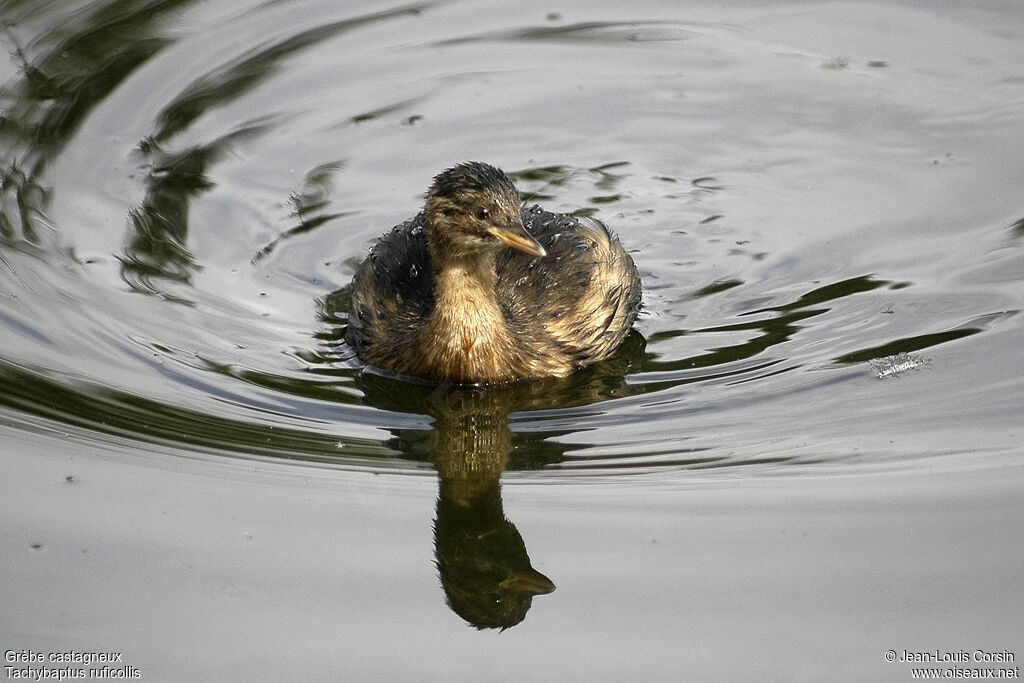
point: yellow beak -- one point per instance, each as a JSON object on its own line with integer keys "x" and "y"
{"x": 515, "y": 236}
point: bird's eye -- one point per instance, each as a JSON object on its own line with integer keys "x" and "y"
{"x": 483, "y": 213}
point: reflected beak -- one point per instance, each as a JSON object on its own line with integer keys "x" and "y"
{"x": 529, "y": 581}
{"x": 515, "y": 236}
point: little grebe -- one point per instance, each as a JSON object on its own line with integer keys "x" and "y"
{"x": 440, "y": 298}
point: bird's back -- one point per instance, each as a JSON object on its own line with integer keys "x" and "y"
{"x": 582, "y": 298}
{"x": 392, "y": 292}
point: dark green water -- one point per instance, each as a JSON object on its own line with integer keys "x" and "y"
{"x": 197, "y": 473}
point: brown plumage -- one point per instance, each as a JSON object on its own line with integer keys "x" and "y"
{"x": 441, "y": 297}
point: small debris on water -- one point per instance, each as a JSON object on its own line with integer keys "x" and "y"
{"x": 901, "y": 362}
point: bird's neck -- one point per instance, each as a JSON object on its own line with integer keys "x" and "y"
{"x": 467, "y": 325}
{"x": 465, "y": 301}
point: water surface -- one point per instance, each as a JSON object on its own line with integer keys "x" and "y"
{"x": 199, "y": 474}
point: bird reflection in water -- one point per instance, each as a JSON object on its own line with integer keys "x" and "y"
{"x": 482, "y": 561}
{"x": 481, "y": 557}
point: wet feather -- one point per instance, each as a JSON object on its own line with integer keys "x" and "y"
{"x": 443, "y": 298}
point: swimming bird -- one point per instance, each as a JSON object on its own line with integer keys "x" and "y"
{"x": 477, "y": 288}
